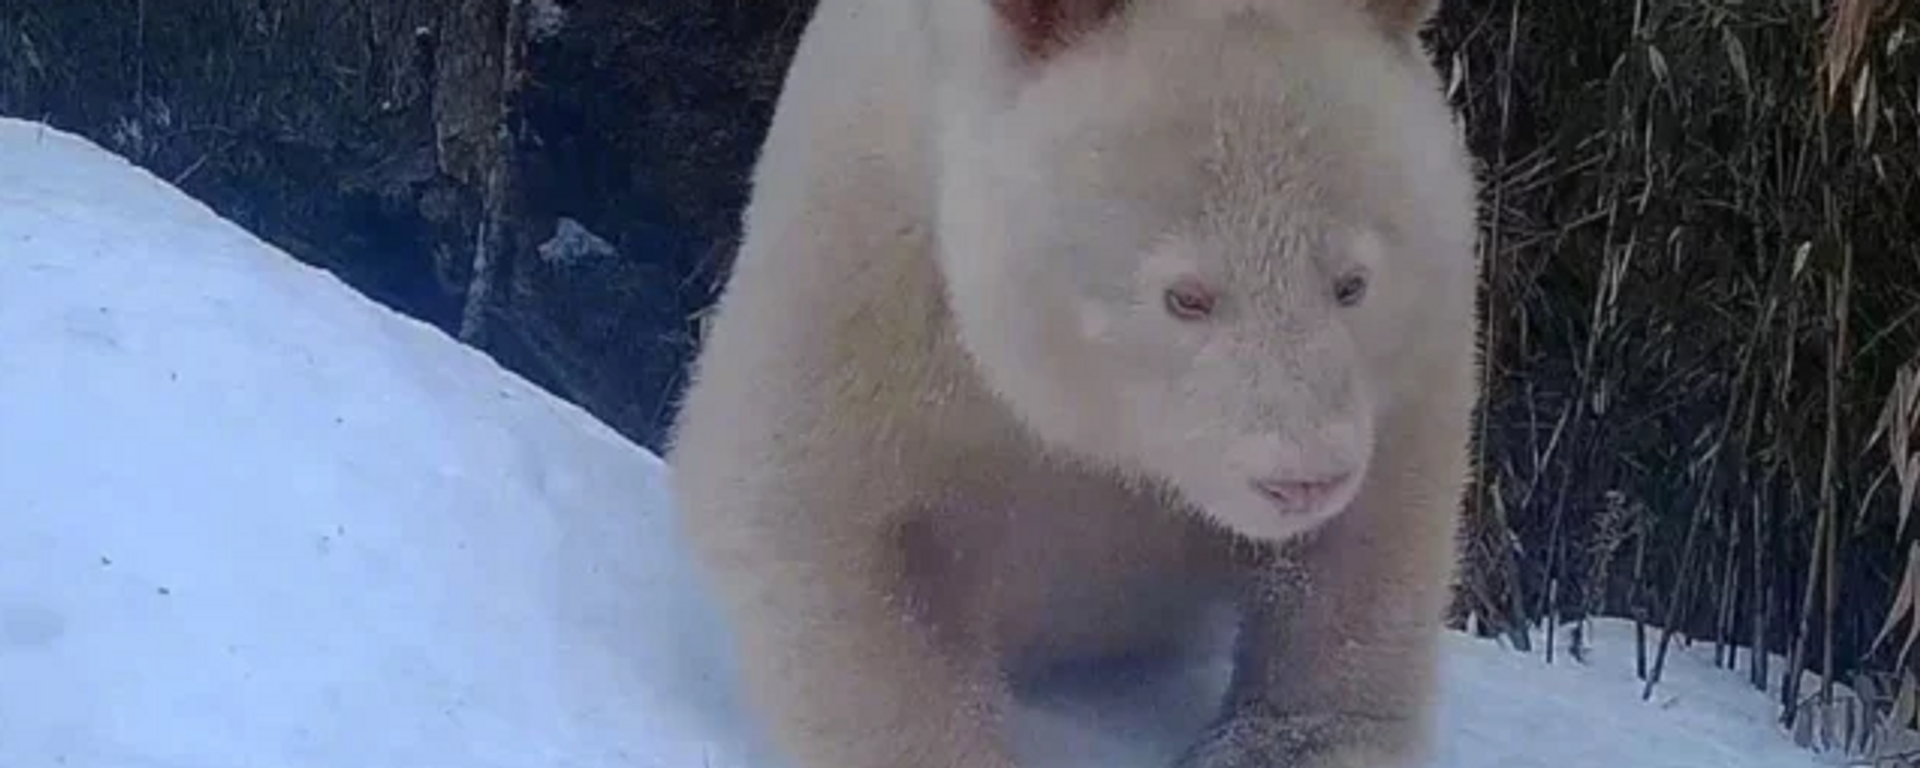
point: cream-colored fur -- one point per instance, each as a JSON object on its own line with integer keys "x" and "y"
{"x": 1058, "y": 320}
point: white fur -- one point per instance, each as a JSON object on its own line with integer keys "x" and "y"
{"x": 1183, "y": 144}
{"x": 944, "y": 423}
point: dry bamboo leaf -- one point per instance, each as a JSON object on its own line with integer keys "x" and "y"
{"x": 1737, "y": 58}
{"x": 1900, "y": 410}
{"x": 1897, "y": 421}
{"x": 1904, "y": 704}
{"x": 1903, "y": 601}
{"x": 1864, "y": 100}
{"x": 1800, "y": 256}
{"x": 1850, "y": 24}
{"x": 1903, "y": 469}
{"x": 1457, "y": 78}
{"x": 1657, "y": 61}
{"x": 1907, "y": 487}
{"x": 1911, "y": 387}
{"x": 1912, "y": 393}
{"x": 1890, "y": 410}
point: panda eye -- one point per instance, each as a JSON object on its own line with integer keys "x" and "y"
{"x": 1350, "y": 288}
{"x": 1189, "y": 300}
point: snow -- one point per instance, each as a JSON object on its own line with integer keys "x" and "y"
{"x": 250, "y": 518}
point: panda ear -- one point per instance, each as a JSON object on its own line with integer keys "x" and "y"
{"x": 1402, "y": 18}
{"x": 1042, "y": 28}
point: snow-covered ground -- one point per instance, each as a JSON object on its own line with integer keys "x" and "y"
{"x": 250, "y": 518}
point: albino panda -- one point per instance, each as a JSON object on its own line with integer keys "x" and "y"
{"x": 1056, "y": 320}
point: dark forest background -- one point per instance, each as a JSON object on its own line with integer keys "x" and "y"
{"x": 1701, "y": 230}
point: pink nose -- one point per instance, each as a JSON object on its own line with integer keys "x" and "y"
{"x": 1302, "y": 495}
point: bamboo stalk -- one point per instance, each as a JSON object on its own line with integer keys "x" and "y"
{"x": 1830, "y": 471}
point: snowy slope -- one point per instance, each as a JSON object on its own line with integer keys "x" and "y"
{"x": 249, "y": 518}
